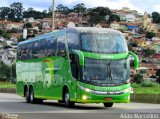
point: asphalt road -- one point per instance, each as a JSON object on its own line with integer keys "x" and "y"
{"x": 14, "y": 104}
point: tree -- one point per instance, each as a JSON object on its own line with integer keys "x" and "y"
{"x": 98, "y": 14}
{"x": 4, "y": 12}
{"x": 142, "y": 72}
{"x": 21, "y": 39}
{"x": 156, "y": 17}
{"x": 6, "y": 35}
{"x": 103, "y": 11}
{"x": 59, "y": 8}
{"x": 4, "y": 72}
{"x": 133, "y": 44}
{"x": 138, "y": 78}
{"x": 33, "y": 13}
{"x": 80, "y": 8}
{"x": 28, "y": 25}
{"x": 150, "y": 35}
{"x": 148, "y": 52}
{"x": 95, "y": 18}
{"x": 63, "y": 9}
{"x": 11, "y": 15}
{"x": 17, "y": 8}
{"x": 2, "y": 32}
{"x": 114, "y": 17}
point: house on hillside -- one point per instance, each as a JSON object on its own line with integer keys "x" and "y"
{"x": 115, "y": 25}
{"x": 8, "y": 56}
{"x": 16, "y": 25}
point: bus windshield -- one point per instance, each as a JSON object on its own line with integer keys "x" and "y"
{"x": 103, "y": 43}
{"x": 106, "y": 71}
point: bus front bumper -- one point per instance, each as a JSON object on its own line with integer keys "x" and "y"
{"x": 94, "y": 98}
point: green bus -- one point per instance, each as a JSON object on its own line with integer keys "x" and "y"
{"x": 75, "y": 65}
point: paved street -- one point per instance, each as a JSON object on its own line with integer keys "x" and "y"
{"x": 11, "y": 103}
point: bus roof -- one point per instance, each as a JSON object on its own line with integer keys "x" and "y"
{"x": 76, "y": 29}
{"x": 42, "y": 36}
{"x": 94, "y": 30}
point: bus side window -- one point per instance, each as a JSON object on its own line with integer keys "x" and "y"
{"x": 52, "y": 46}
{"x": 72, "y": 41}
{"x": 61, "y": 51}
{"x": 28, "y": 51}
{"x": 35, "y": 49}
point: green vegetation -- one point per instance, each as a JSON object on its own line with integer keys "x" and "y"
{"x": 28, "y": 25}
{"x": 148, "y": 52}
{"x": 4, "y": 34}
{"x": 7, "y": 73}
{"x": 146, "y": 87}
{"x": 156, "y": 17}
{"x": 7, "y": 85}
{"x": 150, "y": 35}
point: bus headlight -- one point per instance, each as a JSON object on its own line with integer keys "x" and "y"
{"x": 128, "y": 90}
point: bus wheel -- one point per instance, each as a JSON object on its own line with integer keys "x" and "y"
{"x": 67, "y": 101}
{"x": 27, "y": 96}
{"x": 31, "y": 95}
{"x": 108, "y": 104}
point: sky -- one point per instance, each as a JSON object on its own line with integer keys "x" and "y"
{"x": 140, "y": 5}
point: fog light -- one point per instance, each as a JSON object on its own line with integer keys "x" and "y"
{"x": 84, "y": 97}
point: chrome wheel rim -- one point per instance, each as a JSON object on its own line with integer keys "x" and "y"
{"x": 31, "y": 97}
{"x": 67, "y": 98}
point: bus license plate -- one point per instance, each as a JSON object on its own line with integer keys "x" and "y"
{"x": 108, "y": 99}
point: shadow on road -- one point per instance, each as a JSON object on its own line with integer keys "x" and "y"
{"x": 77, "y": 106}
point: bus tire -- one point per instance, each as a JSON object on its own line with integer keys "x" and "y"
{"x": 67, "y": 101}
{"x": 27, "y": 95}
{"x": 31, "y": 95}
{"x": 108, "y": 104}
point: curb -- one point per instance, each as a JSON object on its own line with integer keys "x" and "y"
{"x": 7, "y": 90}
{"x": 146, "y": 98}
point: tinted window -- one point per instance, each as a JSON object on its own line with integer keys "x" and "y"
{"x": 46, "y": 47}
{"x": 73, "y": 40}
{"x": 52, "y": 46}
{"x": 61, "y": 51}
{"x": 103, "y": 43}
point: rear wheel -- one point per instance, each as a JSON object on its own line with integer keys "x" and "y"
{"x": 67, "y": 101}
{"x": 27, "y": 96}
{"x": 108, "y": 104}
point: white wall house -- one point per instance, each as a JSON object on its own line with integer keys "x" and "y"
{"x": 8, "y": 56}
{"x": 115, "y": 26}
{"x": 130, "y": 18}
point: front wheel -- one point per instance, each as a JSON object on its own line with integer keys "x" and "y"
{"x": 108, "y": 104}
{"x": 67, "y": 101}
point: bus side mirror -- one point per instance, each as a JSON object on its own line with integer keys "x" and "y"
{"x": 135, "y": 62}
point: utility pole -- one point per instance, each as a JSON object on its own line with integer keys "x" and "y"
{"x": 53, "y": 15}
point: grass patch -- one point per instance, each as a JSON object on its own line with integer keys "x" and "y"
{"x": 146, "y": 88}
{"x": 7, "y": 85}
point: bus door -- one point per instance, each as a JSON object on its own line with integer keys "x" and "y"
{"x": 74, "y": 76}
